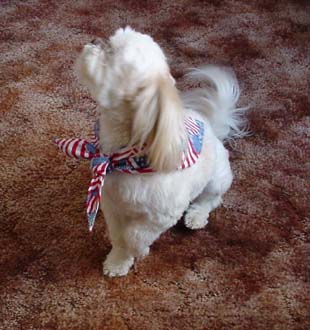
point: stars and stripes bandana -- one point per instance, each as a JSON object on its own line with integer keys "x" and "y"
{"x": 126, "y": 160}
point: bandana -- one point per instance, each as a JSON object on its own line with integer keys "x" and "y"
{"x": 126, "y": 160}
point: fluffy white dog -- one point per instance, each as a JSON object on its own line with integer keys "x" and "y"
{"x": 139, "y": 105}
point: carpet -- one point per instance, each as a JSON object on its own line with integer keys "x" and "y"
{"x": 250, "y": 267}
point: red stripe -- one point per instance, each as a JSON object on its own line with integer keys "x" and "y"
{"x": 93, "y": 138}
{"x": 94, "y": 187}
{"x": 194, "y": 156}
{"x": 61, "y": 143}
{"x": 66, "y": 146}
{"x": 96, "y": 204}
{"x": 191, "y": 121}
{"x": 95, "y": 182}
{"x": 186, "y": 163}
{"x": 98, "y": 168}
{"x": 78, "y": 149}
{"x": 83, "y": 150}
{"x": 95, "y": 168}
{"x": 145, "y": 170}
{"x": 91, "y": 204}
{"x": 192, "y": 129}
{"x": 69, "y": 147}
{"x": 130, "y": 163}
{"x": 190, "y": 150}
{"x": 102, "y": 168}
{"x": 192, "y": 126}
{"x": 183, "y": 160}
{"x": 74, "y": 147}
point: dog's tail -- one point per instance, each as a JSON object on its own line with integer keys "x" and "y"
{"x": 218, "y": 101}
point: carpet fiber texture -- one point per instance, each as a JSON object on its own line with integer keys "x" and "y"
{"x": 250, "y": 267}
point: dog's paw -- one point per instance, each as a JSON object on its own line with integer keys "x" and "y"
{"x": 117, "y": 265}
{"x": 195, "y": 218}
{"x": 118, "y": 269}
{"x": 143, "y": 253}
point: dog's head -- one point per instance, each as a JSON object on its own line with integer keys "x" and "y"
{"x": 130, "y": 78}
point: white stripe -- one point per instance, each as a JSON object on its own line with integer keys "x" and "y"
{"x": 99, "y": 167}
{"x": 61, "y": 142}
{"x": 70, "y": 147}
{"x": 102, "y": 167}
{"x": 133, "y": 163}
{"x": 64, "y": 147}
{"x": 95, "y": 168}
{"x": 79, "y": 149}
{"x": 91, "y": 201}
{"x": 93, "y": 205}
{"x": 93, "y": 186}
{"x": 95, "y": 140}
{"x": 191, "y": 125}
{"x": 186, "y": 162}
{"x": 192, "y": 155}
{"x": 191, "y": 121}
{"x": 96, "y": 186}
{"x": 192, "y": 130}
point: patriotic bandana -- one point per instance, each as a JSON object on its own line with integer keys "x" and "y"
{"x": 126, "y": 160}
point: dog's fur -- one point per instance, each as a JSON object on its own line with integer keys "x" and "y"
{"x": 139, "y": 104}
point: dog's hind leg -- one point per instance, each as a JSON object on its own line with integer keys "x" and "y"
{"x": 196, "y": 216}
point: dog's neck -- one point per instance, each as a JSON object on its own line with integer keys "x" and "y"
{"x": 115, "y": 128}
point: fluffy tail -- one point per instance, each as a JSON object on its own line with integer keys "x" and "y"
{"x": 218, "y": 102}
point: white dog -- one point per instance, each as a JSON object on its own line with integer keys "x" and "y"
{"x": 139, "y": 105}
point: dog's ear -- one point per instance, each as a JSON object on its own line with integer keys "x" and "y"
{"x": 159, "y": 123}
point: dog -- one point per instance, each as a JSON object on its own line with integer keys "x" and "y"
{"x": 139, "y": 105}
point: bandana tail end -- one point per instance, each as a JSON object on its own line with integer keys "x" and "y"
{"x": 91, "y": 220}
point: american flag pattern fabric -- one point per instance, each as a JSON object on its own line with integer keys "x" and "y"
{"x": 127, "y": 160}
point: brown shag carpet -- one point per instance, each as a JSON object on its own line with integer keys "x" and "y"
{"x": 250, "y": 267}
